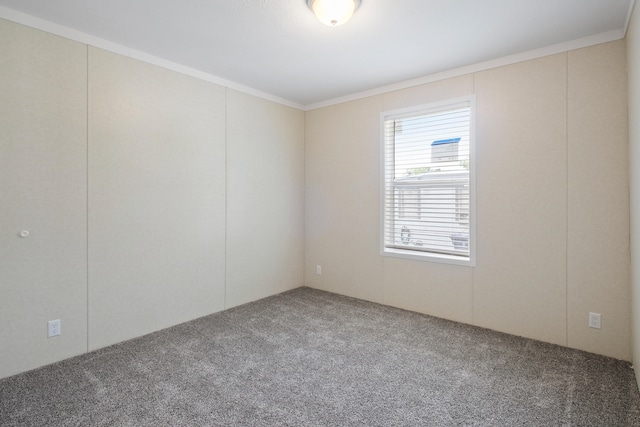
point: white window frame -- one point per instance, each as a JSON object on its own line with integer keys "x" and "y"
{"x": 423, "y": 255}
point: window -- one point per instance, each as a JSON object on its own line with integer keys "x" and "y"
{"x": 428, "y": 182}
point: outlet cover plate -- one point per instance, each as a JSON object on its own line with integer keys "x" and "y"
{"x": 53, "y": 328}
{"x": 595, "y": 321}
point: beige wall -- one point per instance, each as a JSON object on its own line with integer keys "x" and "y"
{"x": 127, "y": 179}
{"x": 633, "y": 72}
{"x": 520, "y": 279}
{"x": 156, "y": 198}
{"x": 598, "y": 200}
{"x": 551, "y": 143}
{"x": 341, "y": 164}
{"x": 265, "y": 160}
{"x": 43, "y": 190}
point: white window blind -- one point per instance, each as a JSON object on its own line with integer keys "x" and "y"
{"x": 428, "y": 188}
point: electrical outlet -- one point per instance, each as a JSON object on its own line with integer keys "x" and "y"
{"x": 595, "y": 320}
{"x": 54, "y": 328}
{"x": 318, "y": 269}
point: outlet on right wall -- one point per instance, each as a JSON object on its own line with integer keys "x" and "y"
{"x": 552, "y": 203}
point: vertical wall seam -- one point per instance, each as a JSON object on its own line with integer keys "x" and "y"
{"x": 475, "y": 177}
{"x": 566, "y": 249}
{"x": 381, "y": 193}
{"x": 304, "y": 198}
{"x": 226, "y": 195}
{"x": 87, "y": 190}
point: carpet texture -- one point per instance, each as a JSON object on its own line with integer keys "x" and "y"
{"x": 312, "y": 358}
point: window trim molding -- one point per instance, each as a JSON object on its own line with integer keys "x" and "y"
{"x": 432, "y": 256}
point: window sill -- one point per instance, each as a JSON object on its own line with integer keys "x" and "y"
{"x": 428, "y": 257}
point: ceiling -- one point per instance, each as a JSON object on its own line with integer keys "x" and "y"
{"x": 278, "y": 47}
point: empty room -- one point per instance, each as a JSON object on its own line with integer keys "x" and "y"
{"x": 319, "y": 212}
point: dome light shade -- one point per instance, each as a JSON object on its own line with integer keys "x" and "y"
{"x": 333, "y": 12}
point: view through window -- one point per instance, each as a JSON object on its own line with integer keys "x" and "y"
{"x": 428, "y": 185}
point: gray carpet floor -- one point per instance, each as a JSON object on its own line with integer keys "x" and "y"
{"x": 312, "y": 358}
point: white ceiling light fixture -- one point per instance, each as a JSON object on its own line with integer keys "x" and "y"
{"x": 333, "y": 12}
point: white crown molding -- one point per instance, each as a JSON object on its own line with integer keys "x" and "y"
{"x": 60, "y": 30}
{"x": 481, "y": 66}
{"x": 81, "y": 37}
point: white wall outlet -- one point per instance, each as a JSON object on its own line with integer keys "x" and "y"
{"x": 54, "y": 328}
{"x": 318, "y": 269}
{"x": 595, "y": 320}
